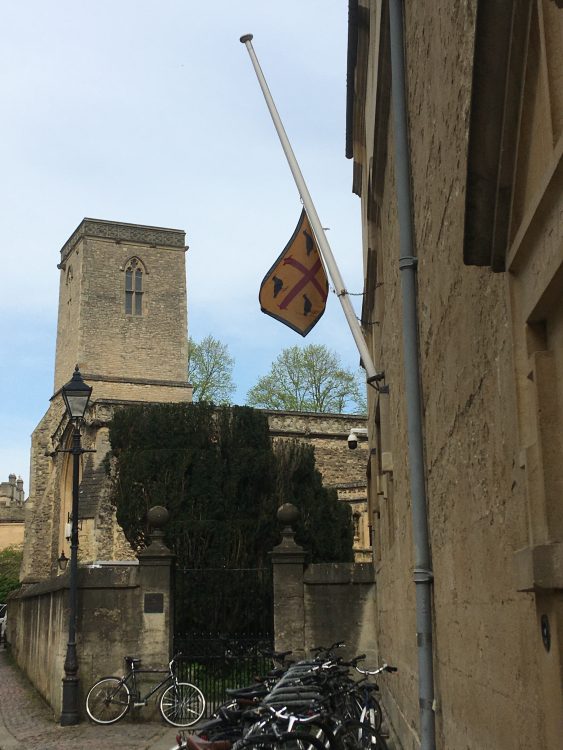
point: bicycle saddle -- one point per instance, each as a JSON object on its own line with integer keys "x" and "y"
{"x": 133, "y": 661}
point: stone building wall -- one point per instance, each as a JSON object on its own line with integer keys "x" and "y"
{"x": 342, "y": 469}
{"x": 113, "y": 619}
{"x": 12, "y": 497}
{"x": 484, "y": 339}
{"x": 130, "y": 359}
{"x": 126, "y": 357}
{"x": 94, "y": 328}
{"x": 11, "y": 533}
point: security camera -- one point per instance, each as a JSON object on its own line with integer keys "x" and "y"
{"x": 352, "y": 441}
{"x": 353, "y": 437}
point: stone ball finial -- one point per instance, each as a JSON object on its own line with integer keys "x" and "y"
{"x": 288, "y": 514}
{"x": 158, "y": 516}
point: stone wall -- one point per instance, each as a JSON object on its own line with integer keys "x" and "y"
{"x": 127, "y": 358}
{"x": 50, "y": 500}
{"x": 113, "y": 621}
{"x": 101, "y": 538}
{"x": 339, "y": 604}
{"x": 11, "y": 533}
{"x": 94, "y": 328}
{"x": 322, "y": 603}
{"x": 491, "y": 414}
{"x": 342, "y": 469}
{"x": 12, "y": 498}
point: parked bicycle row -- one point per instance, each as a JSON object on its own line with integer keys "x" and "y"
{"x": 314, "y": 704}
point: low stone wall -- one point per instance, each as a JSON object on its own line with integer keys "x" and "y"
{"x": 123, "y": 609}
{"x": 322, "y": 603}
{"x": 339, "y": 605}
{"x": 35, "y": 628}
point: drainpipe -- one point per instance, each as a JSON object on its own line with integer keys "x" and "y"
{"x": 422, "y": 573}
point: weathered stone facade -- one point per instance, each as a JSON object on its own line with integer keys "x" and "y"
{"x": 131, "y": 358}
{"x": 12, "y": 497}
{"x": 114, "y": 612}
{"x": 342, "y": 469}
{"x": 123, "y": 320}
{"x": 124, "y": 354}
{"x": 491, "y": 358}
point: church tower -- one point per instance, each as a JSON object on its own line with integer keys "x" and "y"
{"x": 123, "y": 312}
{"x": 123, "y": 319}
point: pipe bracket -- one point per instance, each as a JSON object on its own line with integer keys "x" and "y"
{"x": 409, "y": 261}
{"x": 425, "y": 704}
{"x": 422, "y": 575}
{"x": 423, "y": 639}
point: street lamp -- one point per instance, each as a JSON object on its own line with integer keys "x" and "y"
{"x": 62, "y": 561}
{"x": 76, "y": 394}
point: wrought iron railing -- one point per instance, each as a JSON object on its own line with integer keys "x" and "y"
{"x": 216, "y": 662}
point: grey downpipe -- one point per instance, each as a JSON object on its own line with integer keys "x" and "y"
{"x": 422, "y": 573}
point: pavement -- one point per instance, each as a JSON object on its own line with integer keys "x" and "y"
{"x": 27, "y": 722}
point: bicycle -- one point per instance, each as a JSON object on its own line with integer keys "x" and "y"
{"x": 181, "y": 704}
{"x": 370, "y": 708}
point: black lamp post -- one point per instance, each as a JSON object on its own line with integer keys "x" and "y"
{"x": 76, "y": 394}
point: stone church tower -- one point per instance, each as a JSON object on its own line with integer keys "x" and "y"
{"x": 123, "y": 319}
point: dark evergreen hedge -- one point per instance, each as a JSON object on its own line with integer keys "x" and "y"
{"x": 222, "y": 480}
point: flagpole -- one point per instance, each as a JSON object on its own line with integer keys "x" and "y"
{"x": 326, "y": 252}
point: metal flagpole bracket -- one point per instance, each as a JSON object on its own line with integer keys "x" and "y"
{"x": 378, "y": 382}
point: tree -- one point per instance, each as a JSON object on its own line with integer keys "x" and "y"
{"x": 311, "y": 378}
{"x": 222, "y": 481}
{"x": 325, "y": 523}
{"x": 10, "y": 563}
{"x": 210, "y": 370}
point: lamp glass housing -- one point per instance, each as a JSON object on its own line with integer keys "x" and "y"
{"x": 76, "y": 395}
{"x": 62, "y": 561}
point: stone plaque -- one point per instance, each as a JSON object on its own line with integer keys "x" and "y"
{"x": 154, "y": 603}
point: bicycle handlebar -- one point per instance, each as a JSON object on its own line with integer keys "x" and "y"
{"x": 279, "y": 714}
{"x": 384, "y": 668}
{"x": 329, "y": 650}
{"x": 172, "y": 660}
{"x": 353, "y": 662}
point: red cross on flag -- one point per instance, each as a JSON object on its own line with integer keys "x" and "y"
{"x": 295, "y": 289}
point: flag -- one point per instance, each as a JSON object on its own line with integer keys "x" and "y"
{"x": 295, "y": 289}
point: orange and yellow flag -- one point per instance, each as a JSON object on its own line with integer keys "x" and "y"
{"x": 295, "y": 289}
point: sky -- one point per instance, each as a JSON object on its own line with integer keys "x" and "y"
{"x": 150, "y": 112}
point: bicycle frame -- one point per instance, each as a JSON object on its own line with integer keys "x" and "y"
{"x": 130, "y": 679}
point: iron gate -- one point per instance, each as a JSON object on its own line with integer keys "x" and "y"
{"x": 219, "y": 662}
{"x": 223, "y": 626}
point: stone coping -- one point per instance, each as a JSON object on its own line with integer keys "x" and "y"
{"x": 136, "y": 234}
{"x": 343, "y": 573}
{"x": 89, "y": 577}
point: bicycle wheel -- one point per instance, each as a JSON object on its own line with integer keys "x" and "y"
{"x": 283, "y": 741}
{"x": 321, "y": 731}
{"x": 182, "y": 704}
{"x": 359, "y": 735}
{"x": 374, "y": 717}
{"x": 108, "y": 700}
{"x": 300, "y": 741}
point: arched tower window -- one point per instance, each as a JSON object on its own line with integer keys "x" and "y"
{"x": 134, "y": 287}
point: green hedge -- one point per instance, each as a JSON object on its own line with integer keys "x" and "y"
{"x": 222, "y": 480}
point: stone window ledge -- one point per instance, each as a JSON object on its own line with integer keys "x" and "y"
{"x": 539, "y": 567}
